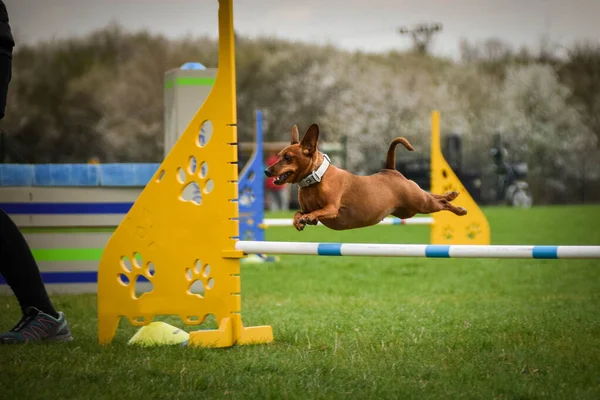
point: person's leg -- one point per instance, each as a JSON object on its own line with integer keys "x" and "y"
{"x": 5, "y": 76}
{"x": 40, "y": 320}
{"x": 19, "y": 269}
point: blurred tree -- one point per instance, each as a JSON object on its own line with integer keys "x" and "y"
{"x": 581, "y": 73}
{"x": 422, "y": 36}
{"x": 101, "y": 96}
{"x": 544, "y": 129}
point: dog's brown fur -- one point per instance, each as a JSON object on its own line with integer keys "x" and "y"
{"x": 346, "y": 201}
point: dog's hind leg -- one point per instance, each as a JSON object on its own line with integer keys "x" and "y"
{"x": 433, "y": 204}
{"x": 449, "y": 196}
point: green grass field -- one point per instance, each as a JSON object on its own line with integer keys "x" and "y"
{"x": 362, "y": 327}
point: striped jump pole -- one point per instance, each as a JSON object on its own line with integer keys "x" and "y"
{"x": 273, "y": 222}
{"x": 419, "y": 250}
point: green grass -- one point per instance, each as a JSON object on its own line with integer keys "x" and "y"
{"x": 362, "y": 327}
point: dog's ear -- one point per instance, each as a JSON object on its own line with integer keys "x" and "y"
{"x": 295, "y": 135}
{"x": 310, "y": 139}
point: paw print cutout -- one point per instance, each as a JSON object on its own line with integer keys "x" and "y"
{"x": 160, "y": 175}
{"x": 247, "y": 196}
{"x": 200, "y": 281}
{"x": 205, "y": 133}
{"x": 248, "y": 235}
{"x": 136, "y": 275}
{"x": 448, "y": 232}
{"x": 473, "y": 230}
{"x": 449, "y": 187}
{"x": 195, "y": 179}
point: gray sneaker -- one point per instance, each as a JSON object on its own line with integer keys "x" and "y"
{"x": 36, "y": 326}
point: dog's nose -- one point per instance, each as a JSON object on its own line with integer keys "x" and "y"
{"x": 268, "y": 173}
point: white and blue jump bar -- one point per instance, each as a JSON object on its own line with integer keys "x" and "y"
{"x": 270, "y": 222}
{"x": 419, "y": 250}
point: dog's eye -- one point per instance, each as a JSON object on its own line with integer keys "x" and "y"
{"x": 287, "y": 158}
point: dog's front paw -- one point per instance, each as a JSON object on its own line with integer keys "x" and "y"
{"x": 298, "y": 224}
{"x": 309, "y": 219}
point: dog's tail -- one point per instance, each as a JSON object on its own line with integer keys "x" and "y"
{"x": 390, "y": 162}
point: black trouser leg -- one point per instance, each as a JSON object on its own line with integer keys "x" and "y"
{"x": 5, "y": 76}
{"x": 20, "y": 270}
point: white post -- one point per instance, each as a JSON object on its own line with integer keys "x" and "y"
{"x": 186, "y": 89}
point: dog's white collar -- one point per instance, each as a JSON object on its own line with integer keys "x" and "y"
{"x": 317, "y": 175}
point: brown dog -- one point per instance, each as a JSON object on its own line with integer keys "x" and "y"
{"x": 341, "y": 200}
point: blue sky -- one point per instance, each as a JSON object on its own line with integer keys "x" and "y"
{"x": 352, "y": 24}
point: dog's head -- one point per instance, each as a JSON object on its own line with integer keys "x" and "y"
{"x": 298, "y": 159}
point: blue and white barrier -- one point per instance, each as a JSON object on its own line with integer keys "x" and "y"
{"x": 419, "y": 250}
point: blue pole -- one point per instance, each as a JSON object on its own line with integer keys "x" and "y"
{"x": 252, "y": 191}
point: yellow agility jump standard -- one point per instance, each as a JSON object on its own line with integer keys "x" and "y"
{"x": 174, "y": 243}
{"x": 448, "y": 228}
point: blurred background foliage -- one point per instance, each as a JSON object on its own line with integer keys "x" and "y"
{"x": 101, "y": 95}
